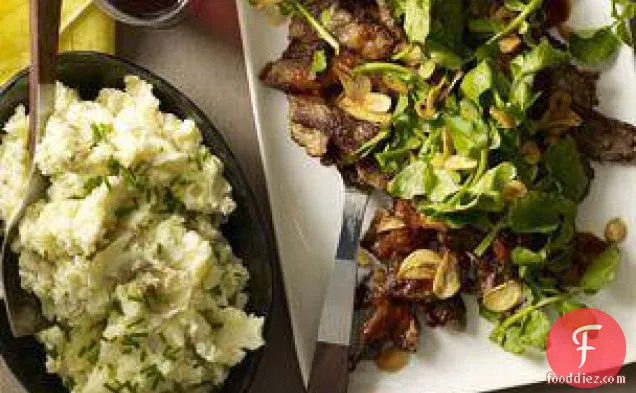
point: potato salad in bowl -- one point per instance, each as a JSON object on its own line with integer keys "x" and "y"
{"x": 125, "y": 251}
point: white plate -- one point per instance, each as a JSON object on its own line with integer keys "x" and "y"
{"x": 306, "y": 201}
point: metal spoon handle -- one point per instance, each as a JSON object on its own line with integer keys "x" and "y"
{"x": 44, "y": 25}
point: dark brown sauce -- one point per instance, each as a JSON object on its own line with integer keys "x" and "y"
{"x": 143, "y": 8}
{"x": 392, "y": 360}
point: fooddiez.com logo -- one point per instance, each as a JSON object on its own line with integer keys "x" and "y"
{"x": 585, "y": 348}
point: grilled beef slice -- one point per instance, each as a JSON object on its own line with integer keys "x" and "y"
{"x": 345, "y": 132}
{"x": 600, "y": 137}
{"x": 604, "y": 139}
{"x": 355, "y": 29}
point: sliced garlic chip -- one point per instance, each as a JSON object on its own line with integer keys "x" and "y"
{"x": 458, "y": 163}
{"x": 419, "y": 265}
{"x": 356, "y": 87}
{"x": 503, "y": 297}
{"x": 377, "y": 102}
{"x": 390, "y": 223}
{"x": 360, "y": 112}
{"x": 447, "y": 283}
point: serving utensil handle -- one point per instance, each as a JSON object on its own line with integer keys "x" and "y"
{"x": 330, "y": 368}
{"x": 44, "y": 29}
{"x": 23, "y": 308}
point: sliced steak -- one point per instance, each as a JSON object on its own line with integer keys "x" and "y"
{"x": 292, "y": 73}
{"x": 291, "y": 76}
{"x": 451, "y": 312}
{"x": 599, "y": 138}
{"x": 299, "y": 29}
{"x": 314, "y": 141}
{"x": 604, "y": 139}
{"x": 580, "y": 86}
{"x": 345, "y": 132}
{"x": 371, "y": 40}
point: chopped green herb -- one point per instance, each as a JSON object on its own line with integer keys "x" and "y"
{"x": 100, "y": 132}
{"x": 319, "y": 62}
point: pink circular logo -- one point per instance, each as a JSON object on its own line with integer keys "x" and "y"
{"x": 585, "y": 348}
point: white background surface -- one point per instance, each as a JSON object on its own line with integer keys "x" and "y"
{"x": 306, "y": 201}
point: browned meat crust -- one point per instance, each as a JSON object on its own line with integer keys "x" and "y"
{"x": 356, "y": 32}
{"x": 314, "y": 141}
{"x": 606, "y": 139}
{"x": 345, "y": 132}
{"x": 599, "y": 138}
{"x": 451, "y": 312}
{"x": 392, "y": 321}
{"x": 580, "y": 85}
{"x": 586, "y": 248}
{"x": 291, "y": 76}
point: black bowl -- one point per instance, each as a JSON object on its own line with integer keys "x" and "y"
{"x": 88, "y": 72}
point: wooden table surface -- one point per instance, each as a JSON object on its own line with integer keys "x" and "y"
{"x": 209, "y": 68}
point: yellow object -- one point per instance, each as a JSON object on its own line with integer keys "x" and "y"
{"x": 84, "y": 27}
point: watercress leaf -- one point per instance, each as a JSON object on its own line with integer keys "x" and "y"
{"x": 443, "y": 56}
{"x": 446, "y": 184}
{"x": 398, "y": 7}
{"x": 319, "y": 62}
{"x": 540, "y": 212}
{"x": 566, "y": 165}
{"x": 494, "y": 179}
{"x": 495, "y": 138}
{"x": 448, "y": 23}
{"x": 567, "y": 305}
{"x": 415, "y": 179}
{"x": 521, "y": 95}
{"x": 535, "y": 330}
{"x": 526, "y": 257}
{"x": 417, "y": 20}
{"x": 561, "y": 260}
{"x": 594, "y": 48}
{"x": 484, "y": 25}
{"x": 489, "y": 315}
{"x": 401, "y": 106}
{"x": 625, "y": 35}
{"x": 477, "y": 81}
{"x": 469, "y": 111}
{"x": 602, "y": 271}
{"x": 538, "y": 58}
{"x": 501, "y": 83}
{"x": 466, "y": 138}
{"x": 514, "y": 5}
{"x": 486, "y": 192}
{"x": 563, "y": 238}
{"x": 509, "y": 339}
{"x": 629, "y": 10}
{"x": 528, "y": 294}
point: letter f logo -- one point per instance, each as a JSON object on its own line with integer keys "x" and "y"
{"x": 584, "y": 347}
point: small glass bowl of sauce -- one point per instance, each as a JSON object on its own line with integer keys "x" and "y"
{"x": 149, "y": 13}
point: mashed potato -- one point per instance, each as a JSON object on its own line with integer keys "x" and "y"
{"x": 125, "y": 251}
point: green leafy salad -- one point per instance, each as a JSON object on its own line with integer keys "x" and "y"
{"x": 467, "y": 113}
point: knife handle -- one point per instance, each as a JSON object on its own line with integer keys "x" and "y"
{"x": 330, "y": 369}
